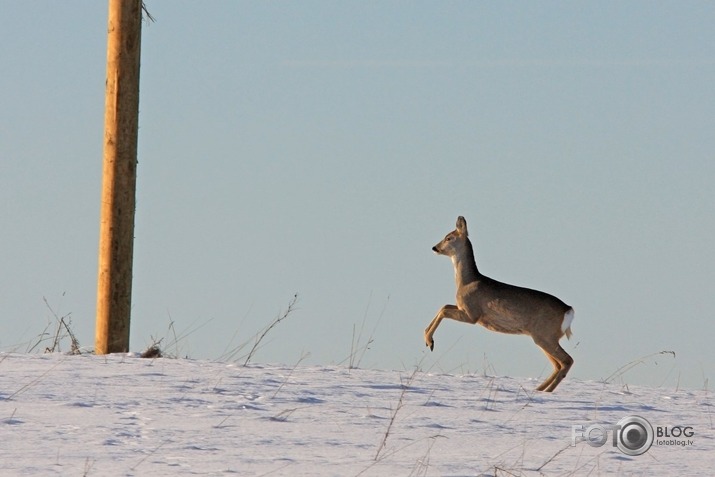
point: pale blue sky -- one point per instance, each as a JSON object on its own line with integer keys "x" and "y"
{"x": 324, "y": 147}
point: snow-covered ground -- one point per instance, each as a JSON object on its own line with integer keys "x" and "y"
{"x": 122, "y": 415}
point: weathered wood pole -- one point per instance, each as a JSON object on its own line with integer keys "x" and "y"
{"x": 121, "y": 124}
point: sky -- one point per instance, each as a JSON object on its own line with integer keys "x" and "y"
{"x": 322, "y": 148}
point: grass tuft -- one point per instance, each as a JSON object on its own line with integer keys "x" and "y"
{"x": 278, "y": 319}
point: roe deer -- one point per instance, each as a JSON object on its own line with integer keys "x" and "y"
{"x": 503, "y": 308}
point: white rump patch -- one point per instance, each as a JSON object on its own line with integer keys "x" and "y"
{"x": 566, "y": 324}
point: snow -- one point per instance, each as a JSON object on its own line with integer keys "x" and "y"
{"x": 125, "y": 416}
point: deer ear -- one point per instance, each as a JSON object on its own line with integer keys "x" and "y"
{"x": 462, "y": 226}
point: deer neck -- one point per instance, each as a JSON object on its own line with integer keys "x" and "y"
{"x": 465, "y": 267}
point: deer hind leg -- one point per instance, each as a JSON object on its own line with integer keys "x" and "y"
{"x": 549, "y": 380}
{"x": 562, "y": 363}
{"x": 447, "y": 311}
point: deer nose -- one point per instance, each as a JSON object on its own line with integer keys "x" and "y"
{"x": 435, "y": 249}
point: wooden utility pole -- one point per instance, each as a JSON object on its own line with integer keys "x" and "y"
{"x": 121, "y": 124}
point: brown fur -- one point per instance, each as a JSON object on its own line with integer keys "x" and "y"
{"x": 502, "y": 307}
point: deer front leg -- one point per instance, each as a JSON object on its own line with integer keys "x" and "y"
{"x": 447, "y": 311}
